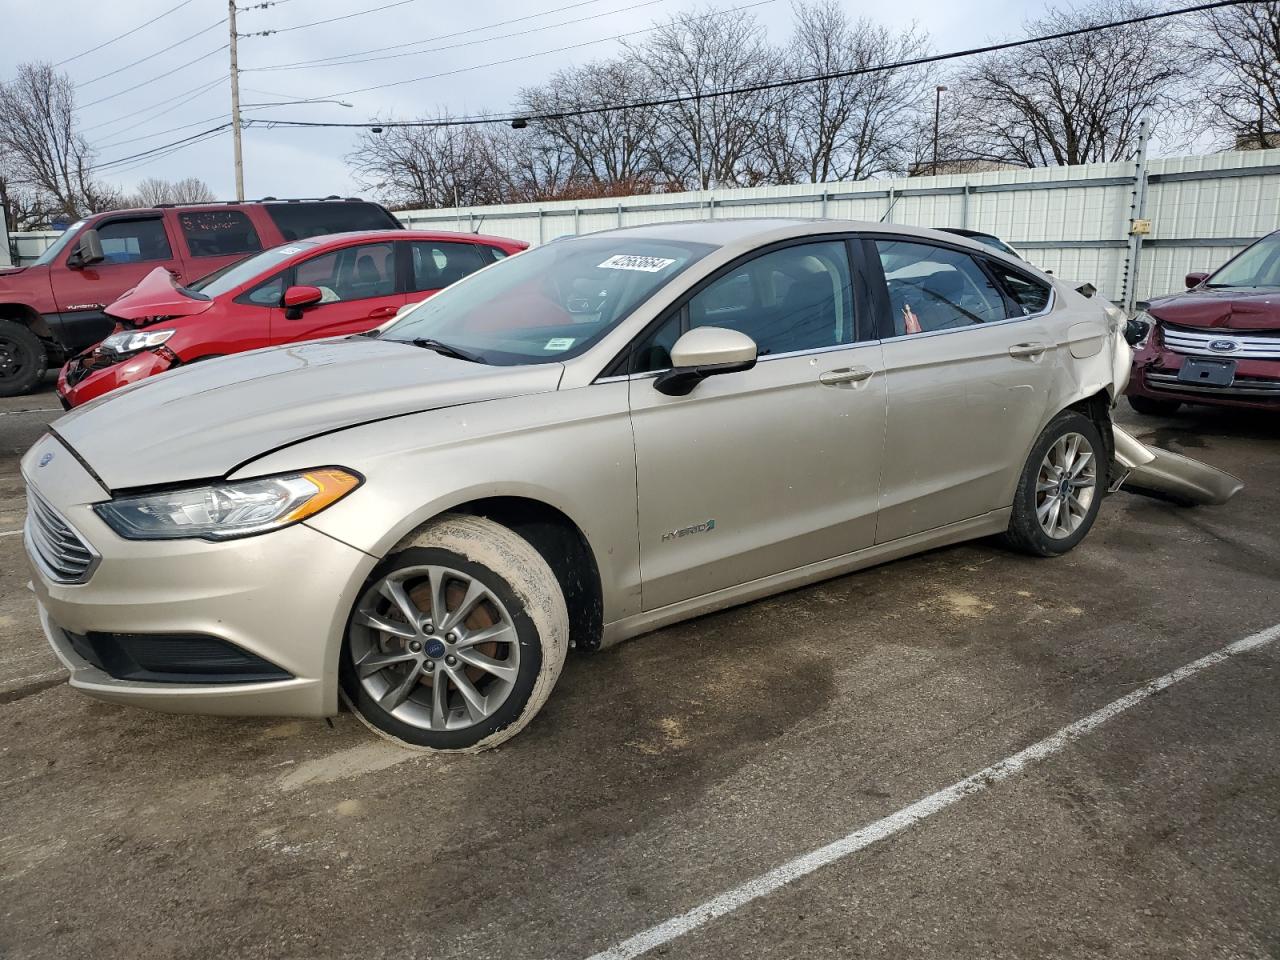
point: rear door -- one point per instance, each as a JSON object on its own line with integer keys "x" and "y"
{"x": 133, "y": 245}
{"x": 360, "y": 286}
{"x": 968, "y": 371}
{"x": 213, "y": 237}
{"x": 762, "y": 471}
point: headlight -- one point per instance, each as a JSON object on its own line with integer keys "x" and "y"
{"x": 131, "y": 341}
{"x": 224, "y": 511}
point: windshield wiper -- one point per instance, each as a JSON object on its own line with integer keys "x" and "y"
{"x": 445, "y": 349}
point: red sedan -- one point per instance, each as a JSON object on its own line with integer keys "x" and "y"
{"x": 322, "y": 287}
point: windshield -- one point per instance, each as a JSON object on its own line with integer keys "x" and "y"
{"x": 51, "y": 253}
{"x": 550, "y": 303}
{"x": 242, "y": 271}
{"x": 1258, "y": 266}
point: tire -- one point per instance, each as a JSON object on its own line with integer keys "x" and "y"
{"x": 443, "y": 565}
{"x": 1154, "y": 408}
{"x": 23, "y": 360}
{"x": 1038, "y": 525}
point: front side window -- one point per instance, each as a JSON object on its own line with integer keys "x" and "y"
{"x": 1257, "y": 266}
{"x": 436, "y": 265}
{"x": 134, "y": 241}
{"x": 934, "y": 288}
{"x": 790, "y": 300}
{"x": 51, "y": 252}
{"x": 550, "y": 303}
{"x": 218, "y": 233}
{"x": 237, "y": 274}
{"x": 352, "y": 273}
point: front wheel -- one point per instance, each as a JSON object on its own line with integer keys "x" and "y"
{"x": 23, "y": 360}
{"x": 457, "y": 638}
{"x": 1058, "y": 494}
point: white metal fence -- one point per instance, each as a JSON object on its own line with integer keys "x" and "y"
{"x": 1074, "y": 221}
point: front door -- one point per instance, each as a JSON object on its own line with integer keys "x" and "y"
{"x": 762, "y": 471}
{"x": 360, "y": 291}
{"x": 132, "y": 248}
{"x": 968, "y": 371}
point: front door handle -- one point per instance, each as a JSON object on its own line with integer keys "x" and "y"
{"x": 1028, "y": 349}
{"x": 833, "y": 378}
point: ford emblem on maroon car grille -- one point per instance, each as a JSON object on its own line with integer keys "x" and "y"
{"x": 1223, "y": 346}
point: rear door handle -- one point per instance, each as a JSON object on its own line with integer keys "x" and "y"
{"x": 1028, "y": 349}
{"x": 381, "y": 313}
{"x": 834, "y": 378}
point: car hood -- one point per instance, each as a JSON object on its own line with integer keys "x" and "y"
{"x": 11, "y": 271}
{"x": 205, "y": 420}
{"x": 158, "y": 295}
{"x": 1226, "y": 309}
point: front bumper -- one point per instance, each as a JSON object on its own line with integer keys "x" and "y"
{"x": 1155, "y": 375}
{"x": 282, "y": 596}
{"x": 82, "y": 379}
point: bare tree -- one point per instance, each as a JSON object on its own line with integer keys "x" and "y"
{"x": 45, "y": 156}
{"x": 714, "y": 141}
{"x": 1240, "y": 49}
{"x": 430, "y": 166}
{"x": 606, "y": 148}
{"x": 154, "y": 191}
{"x": 1078, "y": 99}
{"x": 850, "y": 127}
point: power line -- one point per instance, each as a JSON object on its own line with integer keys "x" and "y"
{"x": 466, "y": 43}
{"x": 542, "y": 53}
{"x": 344, "y": 57}
{"x": 127, "y": 33}
{"x": 316, "y": 23}
{"x": 116, "y": 171}
{"x": 752, "y": 88}
{"x": 164, "y": 146}
{"x": 152, "y": 56}
{"x": 169, "y": 104}
{"x": 159, "y": 76}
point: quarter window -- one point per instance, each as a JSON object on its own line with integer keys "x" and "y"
{"x": 134, "y": 241}
{"x": 436, "y": 265}
{"x": 218, "y": 233}
{"x": 933, "y": 288}
{"x": 1029, "y": 296}
{"x": 352, "y": 273}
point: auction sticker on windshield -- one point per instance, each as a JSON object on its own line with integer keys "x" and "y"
{"x": 624, "y": 261}
{"x": 559, "y": 343}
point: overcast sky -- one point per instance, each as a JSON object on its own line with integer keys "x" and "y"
{"x": 283, "y": 162}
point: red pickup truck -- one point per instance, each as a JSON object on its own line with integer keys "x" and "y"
{"x": 53, "y": 308}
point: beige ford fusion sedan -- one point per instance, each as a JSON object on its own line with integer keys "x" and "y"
{"x": 573, "y": 446}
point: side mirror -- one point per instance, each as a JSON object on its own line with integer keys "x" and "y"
{"x": 88, "y": 250}
{"x": 705, "y": 352}
{"x": 1136, "y": 330}
{"x": 296, "y": 299}
{"x": 1196, "y": 278}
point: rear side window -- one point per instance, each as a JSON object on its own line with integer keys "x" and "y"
{"x": 134, "y": 241}
{"x": 934, "y": 288}
{"x": 1029, "y": 295}
{"x": 218, "y": 233}
{"x": 436, "y": 265}
{"x": 297, "y": 221}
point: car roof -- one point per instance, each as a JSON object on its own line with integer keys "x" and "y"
{"x": 357, "y": 236}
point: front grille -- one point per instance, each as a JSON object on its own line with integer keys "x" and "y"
{"x": 1245, "y": 388}
{"x": 1253, "y": 346}
{"x": 55, "y": 545}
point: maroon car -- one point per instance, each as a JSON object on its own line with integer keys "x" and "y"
{"x": 1217, "y": 343}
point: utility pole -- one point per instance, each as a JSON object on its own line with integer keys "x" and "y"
{"x": 937, "y": 112}
{"x": 235, "y": 102}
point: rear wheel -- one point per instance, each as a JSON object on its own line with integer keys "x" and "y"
{"x": 1058, "y": 495}
{"x": 1154, "y": 408}
{"x": 23, "y": 360}
{"x": 457, "y": 638}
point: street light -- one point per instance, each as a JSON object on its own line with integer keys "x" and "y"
{"x": 938, "y": 91}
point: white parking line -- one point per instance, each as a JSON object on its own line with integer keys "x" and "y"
{"x": 14, "y": 413}
{"x": 793, "y": 870}
{"x": 9, "y": 533}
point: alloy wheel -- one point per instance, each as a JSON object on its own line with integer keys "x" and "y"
{"x": 434, "y": 647}
{"x": 1066, "y": 485}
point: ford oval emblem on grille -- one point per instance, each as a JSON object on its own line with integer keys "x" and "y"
{"x": 44, "y": 460}
{"x": 1223, "y": 346}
